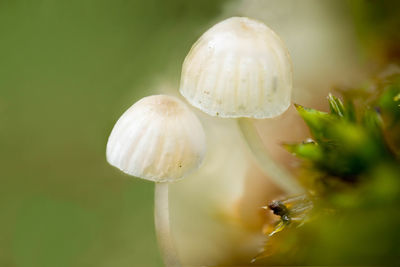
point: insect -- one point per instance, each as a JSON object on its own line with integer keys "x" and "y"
{"x": 294, "y": 209}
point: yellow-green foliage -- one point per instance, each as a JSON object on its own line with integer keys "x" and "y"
{"x": 352, "y": 171}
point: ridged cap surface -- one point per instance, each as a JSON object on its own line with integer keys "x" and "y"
{"x": 238, "y": 68}
{"x": 158, "y": 138}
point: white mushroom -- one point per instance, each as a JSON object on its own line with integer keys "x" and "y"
{"x": 158, "y": 139}
{"x": 240, "y": 68}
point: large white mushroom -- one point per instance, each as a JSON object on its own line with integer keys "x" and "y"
{"x": 158, "y": 139}
{"x": 240, "y": 68}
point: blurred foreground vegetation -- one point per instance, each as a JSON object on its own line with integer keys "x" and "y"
{"x": 351, "y": 169}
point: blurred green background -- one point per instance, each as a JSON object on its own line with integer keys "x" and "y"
{"x": 68, "y": 69}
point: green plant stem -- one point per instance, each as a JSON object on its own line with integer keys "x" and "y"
{"x": 163, "y": 228}
{"x": 276, "y": 173}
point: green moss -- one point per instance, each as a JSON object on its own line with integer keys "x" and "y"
{"x": 353, "y": 176}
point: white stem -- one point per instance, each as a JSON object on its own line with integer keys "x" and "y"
{"x": 163, "y": 229}
{"x": 278, "y": 175}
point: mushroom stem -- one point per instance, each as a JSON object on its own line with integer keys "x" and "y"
{"x": 278, "y": 175}
{"x": 163, "y": 229}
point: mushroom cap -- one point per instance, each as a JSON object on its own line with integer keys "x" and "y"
{"x": 158, "y": 138}
{"x": 238, "y": 68}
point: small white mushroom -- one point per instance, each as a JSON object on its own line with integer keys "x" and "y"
{"x": 240, "y": 68}
{"x": 158, "y": 139}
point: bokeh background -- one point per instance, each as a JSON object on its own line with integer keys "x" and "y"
{"x": 68, "y": 69}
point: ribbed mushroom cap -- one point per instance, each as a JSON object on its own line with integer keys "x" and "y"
{"x": 158, "y": 138}
{"x": 238, "y": 68}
